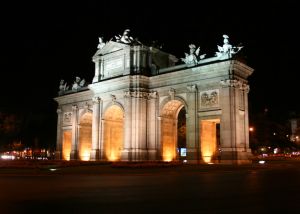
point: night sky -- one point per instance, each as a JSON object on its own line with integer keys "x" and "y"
{"x": 44, "y": 42}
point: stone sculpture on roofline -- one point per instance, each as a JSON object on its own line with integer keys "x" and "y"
{"x": 194, "y": 57}
{"x": 227, "y": 50}
{"x": 101, "y": 43}
{"x": 127, "y": 39}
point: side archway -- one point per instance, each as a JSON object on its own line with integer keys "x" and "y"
{"x": 113, "y": 133}
{"x": 85, "y": 136}
{"x": 66, "y": 144}
{"x": 169, "y": 129}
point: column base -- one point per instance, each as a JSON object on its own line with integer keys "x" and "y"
{"x": 95, "y": 155}
{"x": 136, "y": 155}
{"x": 74, "y": 155}
{"x": 235, "y": 156}
{"x": 58, "y": 155}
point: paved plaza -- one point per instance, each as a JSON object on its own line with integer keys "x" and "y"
{"x": 253, "y": 188}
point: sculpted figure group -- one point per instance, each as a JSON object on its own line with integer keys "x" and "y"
{"x": 224, "y": 52}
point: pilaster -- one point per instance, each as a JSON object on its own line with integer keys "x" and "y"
{"x": 58, "y": 152}
{"x": 95, "y": 152}
{"x": 192, "y": 138}
{"x": 233, "y": 123}
{"x": 152, "y": 113}
{"x": 74, "y": 146}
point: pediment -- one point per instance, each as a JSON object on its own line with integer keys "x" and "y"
{"x": 110, "y": 47}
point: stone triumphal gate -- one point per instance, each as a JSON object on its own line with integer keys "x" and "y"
{"x": 142, "y": 106}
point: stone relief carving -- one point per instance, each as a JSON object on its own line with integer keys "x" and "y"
{"x": 141, "y": 94}
{"x": 227, "y": 50}
{"x": 209, "y": 98}
{"x": 194, "y": 56}
{"x": 67, "y": 117}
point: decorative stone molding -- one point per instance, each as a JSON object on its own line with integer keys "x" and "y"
{"x": 192, "y": 88}
{"x": 138, "y": 94}
{"x": 209, "y": 98}
{"x": 230, "y": 83}
{"x": 235, "y": 83}
{"x": 246, "y": 88}
{"x": 172, "y": 93}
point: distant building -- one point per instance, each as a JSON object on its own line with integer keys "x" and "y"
{"x": 295, "y": 130}
{"x": 130, "y": 110}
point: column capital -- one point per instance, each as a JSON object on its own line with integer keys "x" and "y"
{"x": 152, "y": 95}
{"x": 58, "y": 111}
{"x": 74, "y": 107}
{"x": 192, "y": 88}
{"x": 96, "y": 100}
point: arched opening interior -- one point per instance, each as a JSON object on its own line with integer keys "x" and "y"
{"x": 169, "y": 130}
{"x": 210, "y": 139}
{"x": 85, "y": 136}
{"x": 66, "y": 145}
{"x": 113, "y": 133}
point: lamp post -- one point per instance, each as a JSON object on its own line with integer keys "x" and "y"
{"x": 251, "y": 129}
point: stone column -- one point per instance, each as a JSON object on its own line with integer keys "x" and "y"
{"x": 228, "y": 124}
{"x": 152, "y": 111}
{"x": 58, "y": 152}
{"x": 126, "y": 153}
{"x": 159, "y": 138}
{"x": 139, "y": 125}
{"x": 192, "y": 141}
{"x": 101, "y": 136}
{"x": 233, "y": 142}
{"x": 246, "y": 89}
{"x": 95, "y": 153}
{"x": 74, "y": 147}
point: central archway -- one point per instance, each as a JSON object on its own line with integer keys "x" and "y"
{"x": 113, "y": 133}
{"x": 169, "y": 130}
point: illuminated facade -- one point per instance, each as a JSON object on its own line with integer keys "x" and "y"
{"x": 130, "y": 110}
